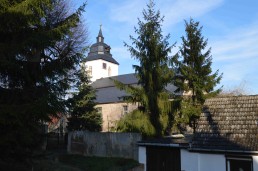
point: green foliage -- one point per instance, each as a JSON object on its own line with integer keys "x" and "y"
{"x": 188, "y": 112}
{"x": 84, "y": 116}
{"x": 151, "y": 49}
{"x": 195, "y": 73}
{"x": 195, "y": 69}
{"x": 41, "y": 46}
{"x": 136, "y": 121}
{"x": 135, "y": 93}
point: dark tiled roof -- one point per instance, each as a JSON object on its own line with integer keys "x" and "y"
{"x": 109, "y": 95}
{"x": 108, "y": 81}
{"x": 168, "y": 141}
{"x": 105, "y": 57}
{"x": 107, "y": 92}
{"x": 100, "y": 50}
{"x": 228, "y": 123}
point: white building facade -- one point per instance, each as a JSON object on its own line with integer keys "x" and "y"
{"x": 225, "y": 139}
{"x": 100, "y": 69}
{"x": 196, "y": 161}
{"x": 99, "y": 63}
{"x": 193, "y": 161}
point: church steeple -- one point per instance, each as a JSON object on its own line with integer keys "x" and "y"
{"x": 100, "y": 38}
{"x": 99, "y": 63}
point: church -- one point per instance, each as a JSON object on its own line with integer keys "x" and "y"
{"x": 103, "y": 70}
{"x": 99, "y": 63}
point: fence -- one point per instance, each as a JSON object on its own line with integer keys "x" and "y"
{"x": 56, "y": 141}
{"x": 104, "y": 144}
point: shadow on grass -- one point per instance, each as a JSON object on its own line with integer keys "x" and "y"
{"x": 36, "y": 165}
{"x": 67, "y": 162}
{"x": 98, "y": 163}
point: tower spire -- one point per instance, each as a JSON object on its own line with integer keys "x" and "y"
{"x": 100, "y": 37}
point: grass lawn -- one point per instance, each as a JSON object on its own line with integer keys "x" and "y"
{"x": 98, "y": 163}
{"x": 68, "y": 162}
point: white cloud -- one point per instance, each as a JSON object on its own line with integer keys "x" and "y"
{"x": 236, "y": 55}
{"x": 121, "y": 53}
{"x": 174, "y": 10}
{"x": 235, "y": 73}
{"x": 239, "y": 45}
{"x": 127, "y": 11}
{"x": 178, "y": 10}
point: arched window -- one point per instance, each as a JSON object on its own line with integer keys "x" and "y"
{"x": 109, "y": 71}
{"x": 104, "y": 65}
{"x": 90, "y": 71}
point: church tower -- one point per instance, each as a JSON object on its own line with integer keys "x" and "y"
{"x": 99, "y": 63}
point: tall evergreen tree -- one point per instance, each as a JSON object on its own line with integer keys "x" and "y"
{"x": 195, "y": 72}
{"x": 195, "y": 67}
{"x": 84, "y": 115}
{"x": 40, "y": 48}
{"x": 151, "y": 49}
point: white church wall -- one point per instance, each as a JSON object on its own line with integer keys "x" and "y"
{"x": 98, "y": 71}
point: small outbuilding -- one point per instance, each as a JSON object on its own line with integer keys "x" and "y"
{"x": 226, "y": 139}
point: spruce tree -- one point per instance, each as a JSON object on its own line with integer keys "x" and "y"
{"x": 83, "y": 114}
{"x": 151, "y": 49}
{"x": 195, "y": 73}
{"x": 40, "y": 48}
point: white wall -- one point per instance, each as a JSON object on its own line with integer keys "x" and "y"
{"x": 212, "y": 162}
{"x": 98, "y": 71}
{"x": 191, "y": 161}
{"x": 202, "y": 162}
{"x": 255, "y": 163}
{"x": 142, "y": 156}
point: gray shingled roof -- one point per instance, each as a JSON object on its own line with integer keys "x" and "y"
{"x": 228, "y": 123}
{"x": 106, "y": 91}
{"x": 104, "y": 57}
{"x": 108, "y": 81}
{"x": 168, "y": 141}
{"x": 100, "y": 50}
{"x": 109, "y": 95}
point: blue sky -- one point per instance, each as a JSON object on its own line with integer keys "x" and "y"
{"x": 231, "y": 27}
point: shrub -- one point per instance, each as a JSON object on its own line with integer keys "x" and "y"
{"x": 138, "y": 121}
